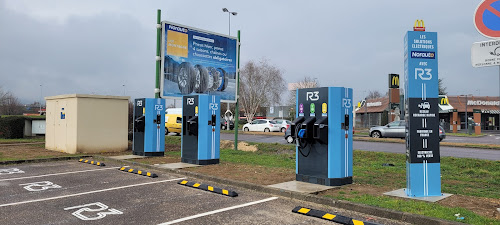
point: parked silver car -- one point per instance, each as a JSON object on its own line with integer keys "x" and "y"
{"x": 396, "y": 129}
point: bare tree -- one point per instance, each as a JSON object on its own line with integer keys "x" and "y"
{"x": 9, "y": 104}
{"x": 373, "y": 94}
{"x": 307, "y": 82}
{"x": 441, "y": 87}
{"x": 260, "y": 84}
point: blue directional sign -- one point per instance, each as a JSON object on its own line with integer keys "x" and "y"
{"x": 422, "y": 114}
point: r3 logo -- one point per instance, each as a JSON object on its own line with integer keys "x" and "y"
{"x": 190, "y": 101}
{"x": 424, "y": 74}
{"x": 39, "y": 186}
{"x": 213, "y": 106}
{"x": 102, "y": 210}
{"x": 313, "y": 96}
{"x": 158, "y": 107}
{"x": 346, "y": 103}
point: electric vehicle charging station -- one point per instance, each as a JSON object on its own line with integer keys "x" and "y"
{"x": 149, "y": 127}
{"x": 323, "y": 134}
{"x": 200, "y": 129}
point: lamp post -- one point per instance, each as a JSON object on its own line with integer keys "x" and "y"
{"x": 229, "y": 14}
{"x": 40, "y": 112}
{"x": 228, "y": 108}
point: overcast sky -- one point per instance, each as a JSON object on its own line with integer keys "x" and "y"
{"x": 108, "y": 47}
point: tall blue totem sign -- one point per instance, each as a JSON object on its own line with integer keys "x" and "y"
{"x": 423, "y": 175}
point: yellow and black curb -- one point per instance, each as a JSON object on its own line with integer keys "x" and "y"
{"x": 140, "y": 172}
{"x": 91, "y": 162}
{"x": 206, "y": 187}
{"x": 328, "y": 216}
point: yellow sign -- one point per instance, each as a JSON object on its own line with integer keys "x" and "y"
{"x": 444, "y": 101}
{"x": 393, "y": 80}
{"x": 177, "y": 44}
{"x": 419, "y": 25}
{"x": 196, "y": 110}
{"x": 323, "y": 108}
{"x": 359, "y": 104}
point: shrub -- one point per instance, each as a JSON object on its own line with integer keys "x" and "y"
{"x": 12, "y": 127}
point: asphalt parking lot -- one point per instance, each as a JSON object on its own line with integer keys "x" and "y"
{"x": 70, "y": 192}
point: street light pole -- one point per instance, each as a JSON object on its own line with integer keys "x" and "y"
{"x": 40, "y": 112}
{"x": 228, "y": 107}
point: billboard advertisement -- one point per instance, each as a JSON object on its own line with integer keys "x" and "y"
{"x": 195, "y": 61}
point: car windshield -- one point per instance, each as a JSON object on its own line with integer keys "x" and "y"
{"x": 395, "y": 123}
{"x": 288, "y": 122}
{"x": 272, "y": 122}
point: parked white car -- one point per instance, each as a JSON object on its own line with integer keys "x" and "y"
{"x": 284, "y": 124}
{"x": 262, "y": 125}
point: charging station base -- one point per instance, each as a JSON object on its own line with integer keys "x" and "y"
{"x": 324, "y": 181}
{"x": 301, "y": 187}
{"x": 402, "y": 194}
{"x": 200, "y": 162}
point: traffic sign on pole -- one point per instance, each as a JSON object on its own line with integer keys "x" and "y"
{"x": 487, "y": 18}
{"x": 485, "y": 53}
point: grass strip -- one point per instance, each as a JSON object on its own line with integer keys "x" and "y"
{"x": 419, "y": 207}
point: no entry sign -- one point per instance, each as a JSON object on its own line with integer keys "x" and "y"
{"x": 487, "y": 18}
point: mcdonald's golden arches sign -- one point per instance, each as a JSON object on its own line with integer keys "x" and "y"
{"x": 443, "y": 100}
{"x": 419, "y": 25}
{"x": 393, "y": 80}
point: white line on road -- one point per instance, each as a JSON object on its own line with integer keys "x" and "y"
{"x": 89, "y": 192}
{"x": 218, "y": 211}
{"x": 55, "y": 174}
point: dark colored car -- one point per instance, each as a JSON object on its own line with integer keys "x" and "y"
{"x": 396, "y": 129}
{"x": 223, "y": 124}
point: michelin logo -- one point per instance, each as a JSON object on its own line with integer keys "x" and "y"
{"x": 425, "y": 55}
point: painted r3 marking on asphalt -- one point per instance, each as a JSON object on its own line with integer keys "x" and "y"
{"x": 40, "y": 186}
{"x": 102, "y": 210}
{"x": 56, "y": 174}
{"x": 10, "y": 171}
{"x": 89, "y": 192}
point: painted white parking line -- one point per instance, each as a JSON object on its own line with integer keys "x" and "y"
{"x": 55, "y": 174}
{"x": 218, "y": 211}
{"x": 89, "y": 192}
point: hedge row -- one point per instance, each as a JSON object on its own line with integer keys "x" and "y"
{"x": 12, "y": 127}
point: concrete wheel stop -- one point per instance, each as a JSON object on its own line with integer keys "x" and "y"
{"x": 401, "y": 193}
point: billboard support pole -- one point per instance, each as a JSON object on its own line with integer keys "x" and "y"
{"x": 237, "y": 108}
{"x": 158, "y": 50}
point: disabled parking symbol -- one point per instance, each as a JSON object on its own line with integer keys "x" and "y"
{"x": 487, "y": 18}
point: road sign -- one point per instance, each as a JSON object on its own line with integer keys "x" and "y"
{"x": 485, "y": 53}
{"x": 487, "y": 18}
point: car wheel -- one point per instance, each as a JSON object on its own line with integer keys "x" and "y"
{"x": 376, "y": 134}
{"x": 246, "y": 129}
{"x": 222, "y": 79}
{"x": 186, "y": 78}
{"x": 267, "y": 130}
{"x": 166, "y": 131}
{"x": 201, "y": 78}
{"x": 289, "y": 139}
{"x": 213, "y": 78}
{"x": 440, "y": 139}
{"x": 283, "y": 129}
{"x": 223, "y": 127}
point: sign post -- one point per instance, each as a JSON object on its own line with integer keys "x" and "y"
{"x": 487, "y": 22}
{"x": 423, "y": 173}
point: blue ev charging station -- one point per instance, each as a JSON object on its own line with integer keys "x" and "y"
{"x": 149, "y": 127}
{"x": 200, "y": 129}
{"x": 323, "y": 134}
{"x": 423, "y": 175}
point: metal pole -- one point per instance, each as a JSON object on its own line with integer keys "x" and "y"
{"x": 40, "y": 100}
{"x": 366, "y": 114}
{"x": 228, "y": 108}
{"x": 466, "y": 116}
{"x": 237, "y": 109}
{"x": 158, "y": 43}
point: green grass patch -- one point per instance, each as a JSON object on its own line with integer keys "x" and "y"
{"x": 258, "y": 158}
{"x": 173, "y": 140}
{"x": 419, "y": 207}
{"x": 21, "y": 140}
